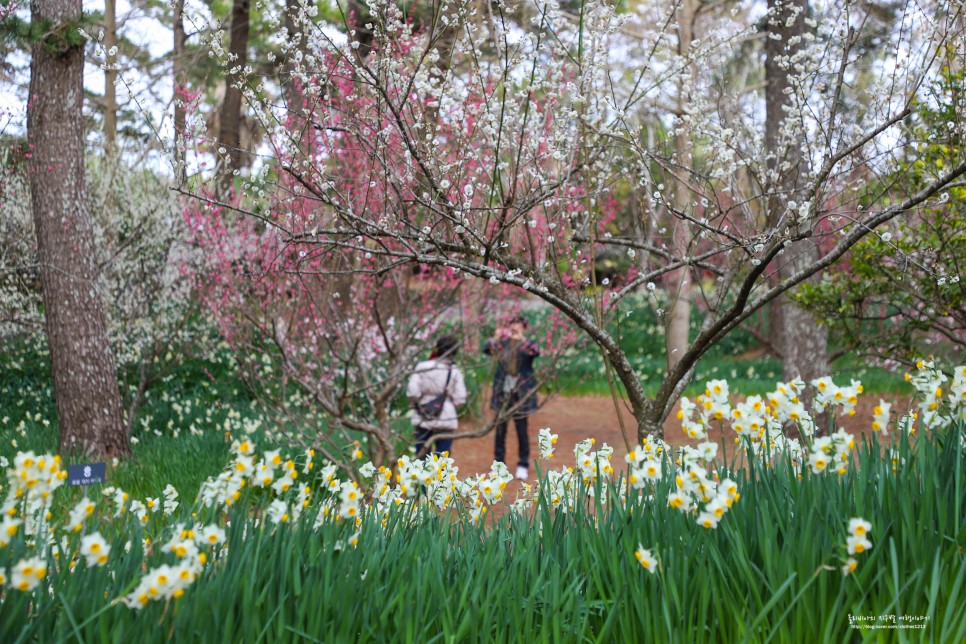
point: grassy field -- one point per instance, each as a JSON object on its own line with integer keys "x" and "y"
{"x": 569, "y": 570}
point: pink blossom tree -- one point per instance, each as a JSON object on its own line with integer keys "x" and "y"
{"x": 494, "y": 154}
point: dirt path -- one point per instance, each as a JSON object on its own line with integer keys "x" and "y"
{"x": 576, "y": 418}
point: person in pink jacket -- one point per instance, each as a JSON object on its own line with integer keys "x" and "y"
{"x": 431, "y": 378}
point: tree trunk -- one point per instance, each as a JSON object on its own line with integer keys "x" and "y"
{"x": 677, "y": 282}
{"x": 291, "y": 92}
{"x": 650, "y": 423}
{"x": 180, "y": 77}
{"x": 85, "y": 382}
{"x": 110, "y": 76}
{"x": 229, "y": 131}
{"x": 359, "y": 16}
{"x": 678, "y": 287}
{"x": 802, "y": 342}
{"x": 804, "y": 339}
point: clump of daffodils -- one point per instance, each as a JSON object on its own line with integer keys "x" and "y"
{"x": 712, "y": 406}
{"x": 645, "y": 462}
{"x": 567, "y": 487}
{"x": 28, "y": 573}
{"x": 95, "y": 549}
{"x": 938, "y": 406}
{"x": 695, "y": 490}
{"x": 161, "y": 584}
{"x": 832, "y": 453}
{"x": 247, "y": 470}
{"x": 592, "y": 465}
{"x": 31, "y": 483}
{"x": 546, "y": 440}
{"x": 856, "y": 543}
{"x": 829, "y": 395}
{"x": 646, "y": 559}
{"x": 170, "y": 580}
{"x": 760, "y": 422}
{"x": 880, "y": 416}
{"x": 750, "y": 418}
{"x": 79, "y": 514}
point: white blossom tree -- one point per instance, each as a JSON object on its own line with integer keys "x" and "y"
{"x": 501, "y": 163}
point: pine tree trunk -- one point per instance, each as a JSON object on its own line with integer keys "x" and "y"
{"x": 802, "y": 342}
{"x": 291, "y": 92}
{"x": 229, "y": 133}
{"x": 85, "y": 382}
{"x": 110, "y": 76}
{"x": 180, "y": 76}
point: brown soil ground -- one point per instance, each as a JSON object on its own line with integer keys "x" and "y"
{"x": 575, "y": 418}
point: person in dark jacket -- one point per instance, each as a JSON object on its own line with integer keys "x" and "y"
{"x": 514, "y": 387}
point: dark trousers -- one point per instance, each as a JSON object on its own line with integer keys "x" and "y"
{"x": 499, "y": 452}
{"x": 422, "y": 437}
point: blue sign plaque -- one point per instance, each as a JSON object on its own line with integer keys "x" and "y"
{"x": 86, "y": 474}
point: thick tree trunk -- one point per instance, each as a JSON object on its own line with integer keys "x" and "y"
{"x": 229, "y": 131}
{"x": 180, "y": 78}
{"x": 802, "y": 342}
{"x": 85, "y": 382}
{"x": 786, "y": 21}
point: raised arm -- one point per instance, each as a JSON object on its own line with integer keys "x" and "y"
{"x": 531, "y": 348}
{"x": 488, "y": 346}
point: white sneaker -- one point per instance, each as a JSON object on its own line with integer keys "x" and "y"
{"x": 522, "y": 473}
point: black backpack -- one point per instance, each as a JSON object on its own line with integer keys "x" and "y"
{"x": 431, "y": 409}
